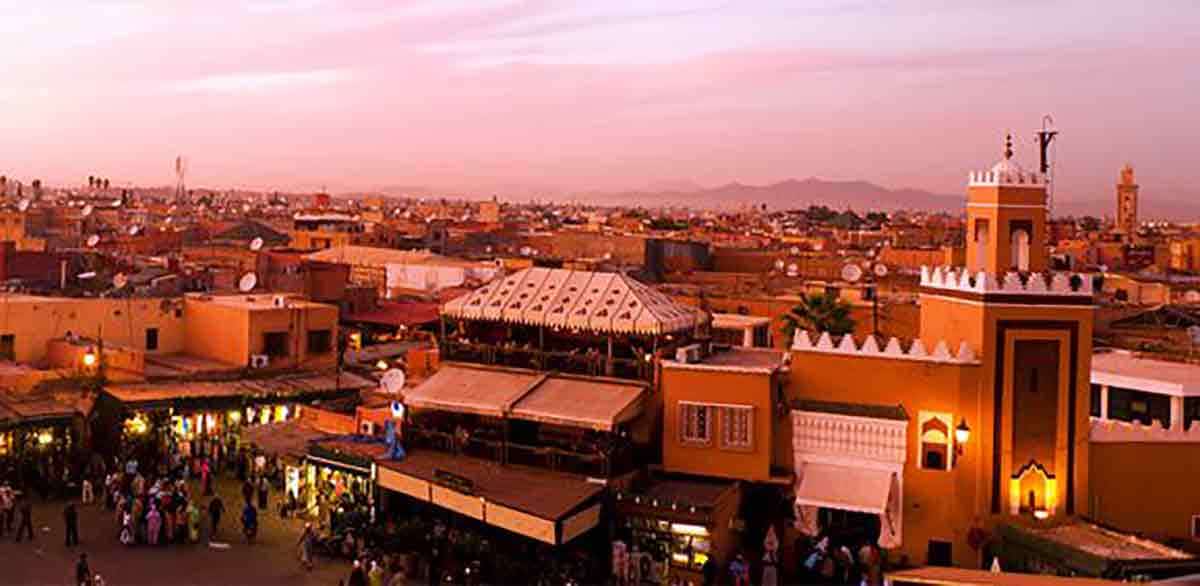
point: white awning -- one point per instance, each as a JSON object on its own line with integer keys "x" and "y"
{"x": 847, "y": 488}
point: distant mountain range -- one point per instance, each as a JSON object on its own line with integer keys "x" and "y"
{"x": 789, "y": 194}
{"x": 801, "y": 193}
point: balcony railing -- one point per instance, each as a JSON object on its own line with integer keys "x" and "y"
{"x": 574, "y": 362}
{"x": 488, "y": 444}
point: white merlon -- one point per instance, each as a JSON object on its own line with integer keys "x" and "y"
{"x": 1007, "y": 173}
{"x": 1112, "y": 431}
{"x": 847, "y": 346}
{"x": 960, "y": 279}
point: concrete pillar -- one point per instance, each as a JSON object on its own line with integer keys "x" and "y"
{"x": 748, "y": 337}
{"x": 1177, "y": 413}
{"x": 1104, "y": 402}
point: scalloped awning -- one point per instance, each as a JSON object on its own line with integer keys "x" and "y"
{"x": 576, "y": 300}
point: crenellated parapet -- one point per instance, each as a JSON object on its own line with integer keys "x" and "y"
{"x": 956, "y": 279}
{"x": 1111, "y": 431}
{"x": 893, "y": 349}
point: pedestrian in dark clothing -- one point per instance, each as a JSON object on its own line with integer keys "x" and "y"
{"x": 263, "y": 488}
{"x": 83, "y": 573}
{"x": 248, "y": 491}
{"x": 709, "y": 570}
{"x": 71, "y": 517}
{"x": 216, "y": 508}
{"x": 26, "y": 525}
{"x": 357, "y": 576}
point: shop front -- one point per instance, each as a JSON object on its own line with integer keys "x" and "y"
{"x": 335, "y": 481}
{"x": 39, "y": 440}
{"x": 197, "y": 417}
{"x": 669, "y": 528}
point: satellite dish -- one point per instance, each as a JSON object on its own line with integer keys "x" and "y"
{"x": 256, "y": 244}
{"x": 247, "y": 282}
{"x": 87, "y": 275}
{"x": 87, "y": 210}
{"x": 608, "y": 256}
{"x": 852, "y": 273}
{"x": 779, "y": 264}
{"x": 880, "y": 270}
{"x": 246, "y": 208}
{"x": 116, "y": 203}
{"x": 526, "y": 251}
{"x": 134, "y": 229}
{"x": 397, "y": 409}
{"x": 1103, "y": 268}
{"x": 795, "y": 250}
{"x": 168, "y": 220}
{"x": 93, "y": 240}
{"x": 793, "y": 270}
{"x": 499, "y": 263}
{"x": 1192, "y": 296}
{"x": 393, "y": 381}
{"x": 23, "y": 205}
{"x": 120, "y": 280}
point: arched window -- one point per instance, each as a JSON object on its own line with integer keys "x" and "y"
{"x": 1020, "y": 249}
{"x": 935, "y": 441}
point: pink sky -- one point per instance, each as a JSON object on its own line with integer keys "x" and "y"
{"x": 495, "y": 95}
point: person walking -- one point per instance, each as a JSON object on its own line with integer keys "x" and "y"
{"x": 6, "y": 510}
{"x": 25, "y": 527}
{"x": 153, "y": 525}
{"x": 216, "y": 508}
{"x": 357, "y": 576}
{"x": 86, "y": 495}
{"x": 264, "y": 487}
{"x": 306, "y": 547}
{"x": 83, "y": 573}
{"x": 250, "y": 522}
{"x": 71, "y": 519}
{"x": 206, "y": 477}
{"x": 193, "y": 522}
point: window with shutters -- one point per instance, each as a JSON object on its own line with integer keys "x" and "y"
{"x": 695, "y": 423}
{"x": 737, "y": 428}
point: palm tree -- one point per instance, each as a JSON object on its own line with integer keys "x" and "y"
{"x": 106, "y": 183}
{"x": 819, "y": 313}
{"x": 91, "y": 181}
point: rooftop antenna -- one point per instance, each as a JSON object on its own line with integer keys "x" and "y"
{"x": 1045, "y": 137}
{"x": 247, "y": 282}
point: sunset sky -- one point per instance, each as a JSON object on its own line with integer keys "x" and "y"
{"x": 500, "y": 95}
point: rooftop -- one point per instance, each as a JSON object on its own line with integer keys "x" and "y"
{"x": 736, "y": 358}
{"x": 893, "y": 412}
{"x": 576, "y": 300}
{"x": 1121, "y": 368}
{"x": 546, "y": 494}
{"x": 259, "y": 302}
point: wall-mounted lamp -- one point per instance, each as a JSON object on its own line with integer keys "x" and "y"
{"x": 89, "y": 358}
{"x": 962, "y": 434}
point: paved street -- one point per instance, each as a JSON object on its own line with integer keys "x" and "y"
{"x": 272, "y": 560}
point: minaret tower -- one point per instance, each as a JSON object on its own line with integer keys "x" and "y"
{"x": 1032, "y": 332}
{"x": 1127, "y": 204}
{"x": 1006, "y": 218}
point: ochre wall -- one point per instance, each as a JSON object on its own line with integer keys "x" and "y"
{"x": 938, "y": 504}
{"x": 217, "y": 332}
{"x": 34, "y": 321}
{"x": 729, "y": 388}
{"x": 1145, "y": 487}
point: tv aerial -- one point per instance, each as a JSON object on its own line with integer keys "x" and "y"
{"x": 256, "y": 244}
{"x": 393, "y": 381}
{"x": 247, "y": 282}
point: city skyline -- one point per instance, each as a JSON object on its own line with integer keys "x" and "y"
{"x": 568, "y": 97}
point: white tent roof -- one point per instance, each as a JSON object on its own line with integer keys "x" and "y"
{"x": 580, "y": 300}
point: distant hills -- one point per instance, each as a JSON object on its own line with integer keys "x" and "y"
{"x": 789, "y": 194}
{"x": 801, "y": 193}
